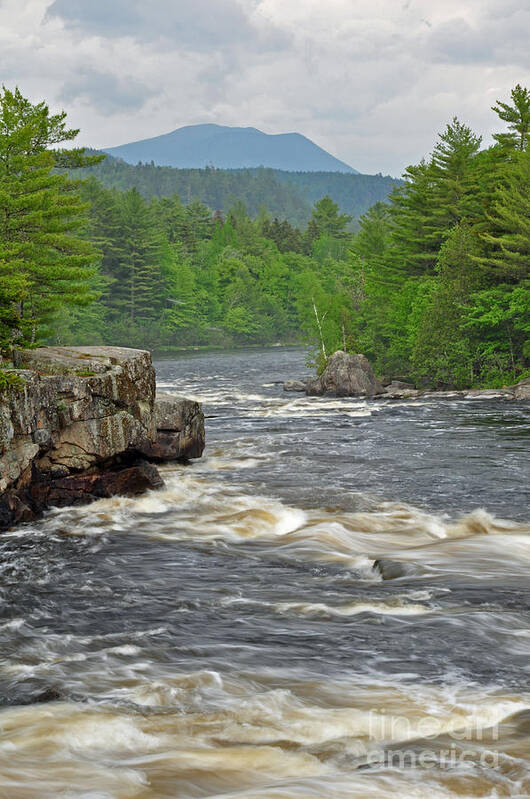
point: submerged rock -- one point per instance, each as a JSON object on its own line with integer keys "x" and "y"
{"x": 77, "y": 428}
{"x": 31, "y": 695}
{"x": 345, "y": 375}
{"x": 490, "y": 393}
{"x": 295, "y": 385}
{"x": 392, "y": 569}
{"x": 398, "y": 390}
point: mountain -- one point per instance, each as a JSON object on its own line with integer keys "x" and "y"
{"x": 199, "y": 146}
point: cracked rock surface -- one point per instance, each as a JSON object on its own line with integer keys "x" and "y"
{"x": 84, "y": 414}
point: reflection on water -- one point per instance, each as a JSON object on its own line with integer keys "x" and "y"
{"x": 334, "y": 602}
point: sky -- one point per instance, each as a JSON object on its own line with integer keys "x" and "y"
{"x": 371, "y": 81}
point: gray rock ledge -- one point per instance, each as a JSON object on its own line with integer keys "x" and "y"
{"x": 82, "y": 427}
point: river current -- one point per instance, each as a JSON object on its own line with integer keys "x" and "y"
{"x": 230, "y": 636}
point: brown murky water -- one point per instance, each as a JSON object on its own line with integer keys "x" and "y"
{"x": 229, "y": 636}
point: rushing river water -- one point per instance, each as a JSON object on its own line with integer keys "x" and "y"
{"x": 228, "y": 636}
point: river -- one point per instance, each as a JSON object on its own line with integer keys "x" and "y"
{"x": 229, "y": 636}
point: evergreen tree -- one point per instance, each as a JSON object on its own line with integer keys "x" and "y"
{"x": 441, "y": 353}
{"x": 326, "y": 218}
{"x": 41, "y": 216}
{"x": 507, "y": 236}
{"x": 517, "y": 116}
{"x": 453, "y": 186}
{"x": 373, "y": 238}
{"x": 411, "y": 251}
{"x": 138, "y": 292}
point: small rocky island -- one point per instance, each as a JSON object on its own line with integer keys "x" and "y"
{"x": 348, "y": 375}
{"x": 86, "y": 423}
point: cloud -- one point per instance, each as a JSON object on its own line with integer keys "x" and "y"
{"x": 109, "y": 93}
{"x": 200, "y": 25}
{"x": 495, "y": 41}
{"x": 369, "y": 80}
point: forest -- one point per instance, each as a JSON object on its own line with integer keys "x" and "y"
{"x": 287, "y": 195}
{"x": 433, "y": 286}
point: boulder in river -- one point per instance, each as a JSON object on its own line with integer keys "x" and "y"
{"x": 180, "y": 429}
{"x": 392, "y": 569}
{"x": 345, "y": 375}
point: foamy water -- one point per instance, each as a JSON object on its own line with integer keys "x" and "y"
{"x": 333, "y": 602}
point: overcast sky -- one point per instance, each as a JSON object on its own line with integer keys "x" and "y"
{"x": 372, "y": 81}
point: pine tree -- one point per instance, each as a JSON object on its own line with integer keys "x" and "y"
{"x": 13, "y": 290}
{"x": 438, "y": 194}
{"x": 518, "y": 118}
{"x": 41, "y": 215}
{"x": 373, "y": 238}
{"x": 453, "y": 189}
{"x": 411, "y": 251}
{"x": 137, "y": 293}
{"x": 507, "y": 236}
{"x": 182, "y": 311}
{"x": 327, "y": 219}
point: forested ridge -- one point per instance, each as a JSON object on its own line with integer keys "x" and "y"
{"x": 433, "y": 287}
{"x": 287, "y": 195}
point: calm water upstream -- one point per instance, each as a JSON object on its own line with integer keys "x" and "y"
{"x": 228, "y": 636}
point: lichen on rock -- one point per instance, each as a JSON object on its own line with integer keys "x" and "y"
{"x": 82, "y": 415}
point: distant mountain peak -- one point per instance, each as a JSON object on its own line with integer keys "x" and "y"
{"x": 198, "y": 146}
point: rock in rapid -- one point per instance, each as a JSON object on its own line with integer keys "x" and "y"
{"x": 180, "y": 429}
{"x": 345, "y": 375}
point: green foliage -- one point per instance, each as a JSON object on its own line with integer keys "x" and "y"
{"x": 498, "y": 321}
{"x": 44, "y": 262}
{"x": 327, "y": 220}
{"x": 517, "y": 116}
{"x": 507, "y": 235}
{"x": 9, "y": 379}
{"x": 442, "y": 355}
{"x": 287, "y": 195}
{"x": 446, "y": 296}
{"x": 433, "y": 286}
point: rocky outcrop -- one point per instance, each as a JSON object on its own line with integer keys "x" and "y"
{"x": 82, "y": 426}
{"x": 345, "y": 375}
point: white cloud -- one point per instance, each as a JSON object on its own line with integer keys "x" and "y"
{"x": 372, "y": 81}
